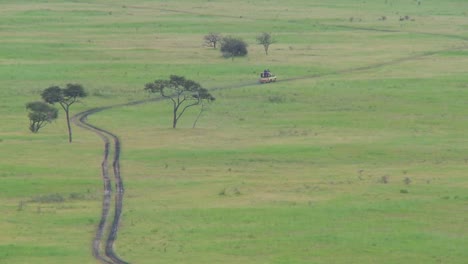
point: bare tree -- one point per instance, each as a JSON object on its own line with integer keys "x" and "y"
{"x": 212, "y": 39}
{"x": 266, "y": 40}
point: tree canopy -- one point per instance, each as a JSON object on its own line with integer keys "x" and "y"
{"x": 40, "y": 114}
{"x": 182, "y": 92}
{"x": 65, "y": 97}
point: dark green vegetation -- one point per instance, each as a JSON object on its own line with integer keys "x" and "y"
{"x": 40, "y": 114}
{"x": 65, "y": 97}
{"x": 358, "y": 154}
{"x": 233, "y": 47}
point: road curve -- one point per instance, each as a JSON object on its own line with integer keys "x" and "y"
{"x": 110, "y": 140}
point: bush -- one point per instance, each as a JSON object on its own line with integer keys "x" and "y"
{"x": 48, "y": 198}
{"x": 384, "y": 179}
{"x": 77, "y": 196}
{"x": 276, "y": 99}
{"x": 233, "y": 47}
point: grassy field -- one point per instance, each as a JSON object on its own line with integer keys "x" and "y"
{"x": 357, "y": 155}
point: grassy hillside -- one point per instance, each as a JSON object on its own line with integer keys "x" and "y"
{"x": 358, "y": 154}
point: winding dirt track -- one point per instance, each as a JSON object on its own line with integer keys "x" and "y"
{"x": 112, "y": 141}
{"x": 109, "y": 139}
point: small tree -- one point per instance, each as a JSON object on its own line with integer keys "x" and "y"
{"x": 233, "y": 47}
{"x": 265, "y": 40}
{"x": 212, "y": 39}
{"x": 203, "y": 93}
{"x": 182, "y": 92}
{"x": 65, "y": 97}
{"x": 40, "y": 114}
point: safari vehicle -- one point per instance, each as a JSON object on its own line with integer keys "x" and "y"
{"x": 267, "y": 77}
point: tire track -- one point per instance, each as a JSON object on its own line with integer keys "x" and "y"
{"x": 351, "y": 70}
{"x": 376, "y": 65}
{"x": 109, "y": 140}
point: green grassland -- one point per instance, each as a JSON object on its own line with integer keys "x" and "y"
{"x": 357, "y": 155}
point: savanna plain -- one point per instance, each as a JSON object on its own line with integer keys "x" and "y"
{"x": 357, "y": 154}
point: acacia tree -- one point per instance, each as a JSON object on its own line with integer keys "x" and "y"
{"x": 65, "y": 97}
{"x": 40, "y": 114}
{"x": 265, "y": 40}
{"x": 212, "y": 39}
{"x": 233, "y": 47}
{"x": 182, "y": 92}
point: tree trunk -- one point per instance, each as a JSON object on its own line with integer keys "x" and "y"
{"x": 174, "y": 120}
{"x": 67, "y": 113}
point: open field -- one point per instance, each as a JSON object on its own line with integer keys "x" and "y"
{"x": 358, "y": 154}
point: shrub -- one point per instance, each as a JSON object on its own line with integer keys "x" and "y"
{"x": 384, "y": 179}
{"x": 276, "y": 99}
{"x": 407, "y": 180}
{"x": 233, "y": 47}
{"x": 48, "y": 198}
